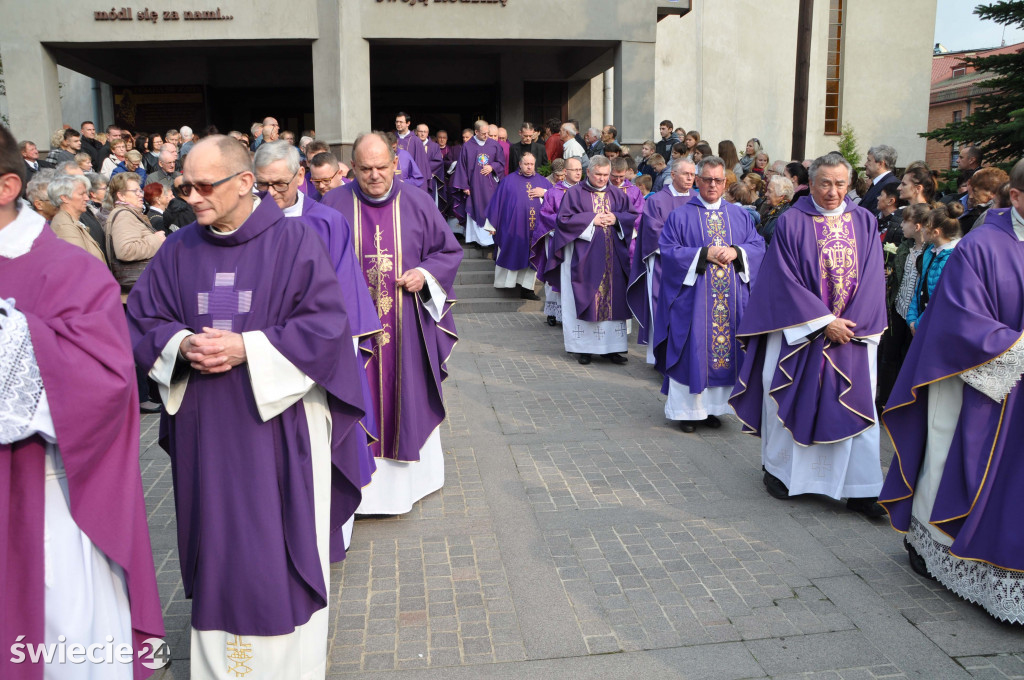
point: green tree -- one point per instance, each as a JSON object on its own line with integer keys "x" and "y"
{"x": 848, "y": 145}
{"x": 996, "y": 123}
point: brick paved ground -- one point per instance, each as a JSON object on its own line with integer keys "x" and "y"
{"x": 580, "y": 535}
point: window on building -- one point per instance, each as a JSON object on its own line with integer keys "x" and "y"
{"x": 962, "y": 71}
{"x": 958, "y": 116}
{"x": 834, "y": 68}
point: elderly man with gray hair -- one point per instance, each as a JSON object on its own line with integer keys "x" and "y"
{"x": 878, "y": 165}
{"x": 167, "y": 160}
{"x": 570, "y": 147}
{"x": 812, "y": 327}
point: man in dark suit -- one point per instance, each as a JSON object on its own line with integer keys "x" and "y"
{"x": 30, "y": 154}
{"x": 878, "y": 166}
{"x": 91, "y": 145}
{"x": 594, "y": 145}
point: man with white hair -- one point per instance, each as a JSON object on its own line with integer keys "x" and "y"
{"x": 187, "y": 140}
{"x": 878, "y": 165}
{"x": 812, "y": 326}
{"x": 570, "y": 147}
{"x": 591, "y": 244}
{"x": 435, "y": 164}
{"x": 595, "y": 146}
{"x": 167, "y": 161}
{"x": 482, "y": 164}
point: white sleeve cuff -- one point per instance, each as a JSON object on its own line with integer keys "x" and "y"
{"x": 276, "y": 382}
{"x": 691, "y": 273}
{"x": 488, "y": 227}
{"x": 797, "y": 334}
{"x": 435, "y": 305}
{"x": 997, "y": 378}
{"x": 745, "y": 274}
{"x": 588, "y": 233}
{"x": 172, "y": 394}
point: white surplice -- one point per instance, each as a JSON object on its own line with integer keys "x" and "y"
{"x": 85, "y": 595}
{"x": 681, "y": 404}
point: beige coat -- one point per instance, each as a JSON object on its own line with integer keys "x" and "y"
{"x": 75, "y": 233}
{"x": 131, "y": 235}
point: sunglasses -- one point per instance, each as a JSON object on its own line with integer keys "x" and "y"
{"x": 204, "y": 188}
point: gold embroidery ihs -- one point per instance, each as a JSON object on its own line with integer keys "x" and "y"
{"x": 238, "y": 657}
{"x": 377, "y": 277}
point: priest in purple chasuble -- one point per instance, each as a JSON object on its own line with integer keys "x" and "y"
{"x": 408, "y": 171}
{"x": 435, "y": 164}
{"x": 277, "y": 174}
{"x": 633, "y": 192}
{"x": 645, "y": 260}
{"x": 710, "y": 254}
{"x": 812, "y": 325}
{"x": 409, "y": 258}
{"x": 591, "y": 245}
{"x": 540, "y": 249}
{"x": 407, "y": 141}
{"x": 481, "y": 166}
{"x": 242, "y": 323}
{"x": 514, "y": 214}
{"x": 956, "y": 418}
{"x": 72, "y": 512}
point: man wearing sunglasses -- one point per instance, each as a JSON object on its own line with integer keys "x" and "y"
{"x": 241, "y": 321}
{"x": 710, "y": 255}
{"x": 409, "y": 258}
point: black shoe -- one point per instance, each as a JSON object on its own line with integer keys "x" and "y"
{"x": 552, "y": 321}
{"x": 688, "y": 426}
{"x": 713, "y": 422}
{"x": 775, "y": 487}
{"x": 584, "y": 359}
{"x": 527, "y": 294}
{"x": 149, "y": 407}
{"x": 917, "y": 562}
{"x": 868, "y": 507}
{"x": 617, "y": 359}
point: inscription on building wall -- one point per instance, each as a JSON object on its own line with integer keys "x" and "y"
{"x": 413, "y": 3}
{"x": 153, "y": 16}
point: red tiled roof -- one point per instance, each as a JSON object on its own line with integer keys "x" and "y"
{"x": 943, "y": 64}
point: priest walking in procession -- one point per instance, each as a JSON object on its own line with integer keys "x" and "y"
{"x": 956, "y": 418}
{"x": 435, "y": 164}
{"x": 812, "y": 325}
{"x": 407, "y": 141}
{"x": 645, "y": 260}
{"x": 513, "y": 215}
{"x": 591, "y": 245}
{"x": 240, "y": 320}
{"x": 710, "y": 255}
{"x": 409, "y": 258}
{"x": 481, "y": 166}
{"x": 75, "y": 559}
{"x": 540, "y": 248}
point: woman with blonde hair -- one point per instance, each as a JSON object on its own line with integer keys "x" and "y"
{"x": 750, "y": 154}
{"x": 118, "y": 149}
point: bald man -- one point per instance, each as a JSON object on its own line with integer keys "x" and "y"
{"x": 241, "y": 321}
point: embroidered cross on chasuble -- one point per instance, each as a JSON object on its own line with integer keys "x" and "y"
{"x": 837, "y": 259}
{"x": 720, "y": 280}
{"x": 603, "y": 296}
{"x": 223, "y": 303}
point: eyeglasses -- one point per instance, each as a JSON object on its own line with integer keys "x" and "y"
{"x": 325, "y": 182}
{"x": 204, "y": 188}
{"x": 279, "y": 187}
{"x": 718, "y": 181}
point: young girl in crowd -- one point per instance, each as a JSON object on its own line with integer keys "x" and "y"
{"x": 943, "y": 233}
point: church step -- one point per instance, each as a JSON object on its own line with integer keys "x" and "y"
{"x": 477, "y": 265}
{"x": 473, "y": 253}
{"x": 484, "y": 290}
{"x": 494, "y": 305}
{"x": 470, "y": 276}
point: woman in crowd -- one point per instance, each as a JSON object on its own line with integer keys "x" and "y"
{"x": 132, "y": 163}
{"x": 700, "y": 151}
{"x": 727, "y": 152}
{"x": 97, "y": 192}
{"x": 981, "y": 192}
{"x": 84, "y": 161}
{"x": 797, "y": 174}
{"x": 750, "y": 155}
{"x": 756, "y": 183}
{"x": 691, "y": 140}
{"x": 917, "y": 185}
{"x": 70, "y": 195}
{"x": 157, "y": 196}
{"x": 942, "y": 232}
{"x": 118, "y": 149}
{"x": 760, "y": 164}
{"x": 642, "y": 166}
{"x": 778, "y": 195}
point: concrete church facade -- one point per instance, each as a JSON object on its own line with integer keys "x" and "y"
{"x": 726, "y": 69}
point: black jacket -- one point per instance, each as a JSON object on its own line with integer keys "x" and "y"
{"x": 178, "y": 214}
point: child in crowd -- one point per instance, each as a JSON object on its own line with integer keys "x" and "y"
{"x": 943, "y": 233}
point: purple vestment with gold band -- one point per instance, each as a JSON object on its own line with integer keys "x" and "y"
{"x": 515, "y": 218}
{"x": 817, "y": 266}
{"x": 539, "y": 247}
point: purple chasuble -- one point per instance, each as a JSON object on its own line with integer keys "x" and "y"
{"x": 402, "y": 232}
{"x": 817, "y": 266}
{"x": 309, "y": 189}
{"x": 975, "y": 316}
{"x": 79, "y": 337}
{"x": 454, "y": 205}
{"x": 435, "y": 166}
{"x": 243, "y": 487}
{"x": 695, "y": 340}
{"x": 636, "y": 199}
{"x": 408, "y": 171}
{"x": 600, "y": 267}
{"x": 656, "y": 210}
{"x": 546, "y": 225}
{"x": 413, "y": 145}
{"x": 515, "y": 218}
{"x": 472, "y": 159}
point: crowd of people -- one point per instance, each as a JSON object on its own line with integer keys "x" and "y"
{"x": 289, "y": 313}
